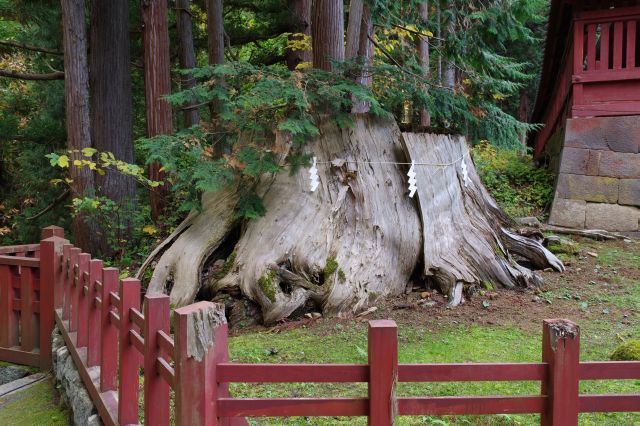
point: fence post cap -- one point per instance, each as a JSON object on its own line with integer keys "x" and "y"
{"x": 382, "y": 324}
{"x": 198, "y": 323}
{"x": 52, "y": 231}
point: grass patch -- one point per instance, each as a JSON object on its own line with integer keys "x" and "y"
{"x": 33, "y": 406}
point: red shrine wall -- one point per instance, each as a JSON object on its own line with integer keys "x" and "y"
{"x": 598, "y": 169}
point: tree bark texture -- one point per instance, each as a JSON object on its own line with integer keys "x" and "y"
{"x": 76, "y": 96}
{"x": 328, "y": 33}
{"x": 356, "y": 8}
{"x": 450, "y": 66}
{"x": 365, "y": 58}
{"x": 302, "y": 19}
{"x": 111, "y": 97}
{"x": 187, "y": 55}
{"x": 215, "y": 32}
{"x": 423, "y": 57}
{"x": 157, "y": 82}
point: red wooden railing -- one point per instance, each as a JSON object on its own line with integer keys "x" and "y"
{"x": 110, "y": 338}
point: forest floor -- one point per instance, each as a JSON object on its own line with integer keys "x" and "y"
{"x": 600, "y": 291}
{"x": 35, "y": 405}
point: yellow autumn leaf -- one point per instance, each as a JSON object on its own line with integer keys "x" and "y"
{"x": 149, "y": 229}
{"x": 77, "y": 163}
{"x": 63, "y": 161}
{"x": 88, "y": 152}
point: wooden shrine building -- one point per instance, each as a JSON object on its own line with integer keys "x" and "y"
{"x": 589, "y": 102}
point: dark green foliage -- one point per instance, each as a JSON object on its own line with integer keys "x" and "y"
{"x": 628, "y": 351}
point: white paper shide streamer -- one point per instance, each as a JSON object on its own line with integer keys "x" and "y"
{"x": 412, "y": 180}
{"x": 313, "y": 174}
{"x": 465, "y": 173}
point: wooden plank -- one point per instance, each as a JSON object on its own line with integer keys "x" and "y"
{"x": 28, "y": 262}
{"x": 474, "y": 405}
{"x": 73, "y": 300}
{"x": 604, "y": 46}
{"x": 108, "y": 334}
{"x": 609, "y": 403}
{"x": 15, "y": 355}
{"x": 591, "y": 47}
{"x": 94, "y": 323}
{"x": 383, "y": 372}
{"x": 578, "y": 47}
{"x": 599, "y": 15}
{"x": 476, "y": 372}
{"x": 631, "y": 45}
{"x": 561, "y": 350}
{"x": 156, "y": 388}
{"x": 8, "y": 317}
{"x": 228, "y": 407}
{"x": 66, "y": 281}
{"x": 609, "y": 370}
{"x": 28, "y": 321}
{"x": 106, "y": 403}
{"x": 167, "y": 372}
{"x": 165, "y": 341}
{"x": 82, "y": 301}
{"x": 292, "y": 373}
{"x": 130, "y": 361}
{"x": 136, "y": 317}
{"x": 618, "y": 28}
{"x": 607, "y": 76}
{"x": 137, "y": 341}
{"x": 604, "y": 109}
{"x": 24, "y": 248}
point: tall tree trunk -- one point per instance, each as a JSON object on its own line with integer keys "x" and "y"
{"x": 76, "y": 96}
{"x": 450, "y": 68}
{"x": 439, "y": 35}
{"x": 423, "y": 56}
{"x": 302, "y": 17}
{"x": 328, "y": 33}
{"x": 187, "y": 55}
{"x": 157, "y": 82}
{"x": 365, "y": 55}
{"x": 215, "y": 32}
{"x": 356, "y": 8}
{"x": 523, "y": 114}
{"x": 111, "y": 98}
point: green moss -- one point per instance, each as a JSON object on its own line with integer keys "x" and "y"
{"x": 565, "y": 247}
{"x": 266, "y": 284}
{"x": 341, "y": 276}
{"x": 628, "y": 351}
{"x": 488, "y": 285}
{"x": 33, "y": 406}
{"x": 228, "y": 264}
{"x": 330, "y": 267}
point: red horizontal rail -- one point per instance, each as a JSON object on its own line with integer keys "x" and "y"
{"x": 166, "y": 343}
{"x": 609, "y": 403}
{"x": 136, "y": 340}
{"x": 229, "y": 407}
{"x": 136, "y": 317}
{"x": 291, "y": 373}
{"x": 167, "y": 372}
{"x": 471, "y": 372}
{"x": 475, "y": 405}
{"x": 609, "y": 370}
{"x": 29, "y": 262}
{"x": 25, "y": 248}
{"x": 602, "y": 15}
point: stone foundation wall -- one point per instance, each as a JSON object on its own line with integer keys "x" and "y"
{"x": 598, "y": 185}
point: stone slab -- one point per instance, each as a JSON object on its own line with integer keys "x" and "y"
{"x": 579, "y": 161}
{"x": 629, "y": 193}
{"x": 619, "y": 164}
{"x": 589, "y": 188}
{"x": 568, "y": 213}
{"x": 619, "y": 134}
{"x": 612, "y": 217}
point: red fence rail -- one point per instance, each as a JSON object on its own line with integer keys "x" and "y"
{"x": 111, "y": 337}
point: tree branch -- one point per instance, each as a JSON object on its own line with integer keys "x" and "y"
{"x": 55, "y": 202}
{"x": 31, "y": 47}
{"x": 58, "y": 75}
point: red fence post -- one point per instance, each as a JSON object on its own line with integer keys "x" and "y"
{"x": 66, "y": 281}
{"x": 81, "y": 313}
{"x": 383, "y": 372}
{"x": 200, "y": 343}
{"x": 129, "y": 355}
{"x": 93, "y": 332}
{"x": 51, "y": 281}
{"x": 561, "y": 350}
{"x": 74, "y": 253}
{"x": 8, "y": 317}
{"x": 28, "y": 323}
{"x": 156, "y": 389}
{"x": 109, "y": 333}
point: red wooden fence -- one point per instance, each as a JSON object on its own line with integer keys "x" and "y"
{"x": 111, "y": 338}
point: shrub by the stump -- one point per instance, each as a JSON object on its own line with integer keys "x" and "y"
{"x": 628, "y": 351}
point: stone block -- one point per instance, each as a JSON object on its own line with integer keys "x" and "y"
{"x": 612, "y": 217}
{"x": 568, "y": 213}
{"x": 619, "y": 134}
{"x": 589, "y": 188}
{"x": 574, "y": 161}
{"x": 629, "y": 193}
{"x": 619, "y": 164}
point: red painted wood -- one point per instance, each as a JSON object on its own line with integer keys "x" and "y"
{"x": 73, "y": 299}
{"x": 607, "y": 76}
{"x": 109, "y": 334}
{"x": 167, "y": 372}
{"x": 156, "y": 389}
{"x": 8, "y": 317}
{"x": 591, "y": 47}
{"x": 166, "y": 344}
{"x": 129, "y": 356}
{"x": 50, "y": 292}
{"x": 605, "y": 109}
{"x": 94, "y": 322}
{"x": 476, "y": 372}
{"x": 52, "y": 231}
{"x": 631, "y": 45}
{"x": 601, "y": 15}
{"x": 578, "y": 47}
{"x": 17, "y": 356}
{"x": 229, "y": 407}
{"x": 609, "y": 403}
{"x": 383, "y": 372}
{"x": 561, "y": 350}
{"x": 475, "y": 405}
{"x": 28, "y": 262}
{"x": 28, "y": 321}
{"x": 66, "y": 281}
{"x": 82, "y": 313}
{"x": 618, "y": 28}
{"x": 136, "y": 317}
{"x": 292, "y": 373}
{"x": 604, "y": 46}
{"x": 609, "y": 370}
{"x": 7, "y": 250}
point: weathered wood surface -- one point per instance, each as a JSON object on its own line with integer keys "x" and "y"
{"x": 466, "y": 235}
